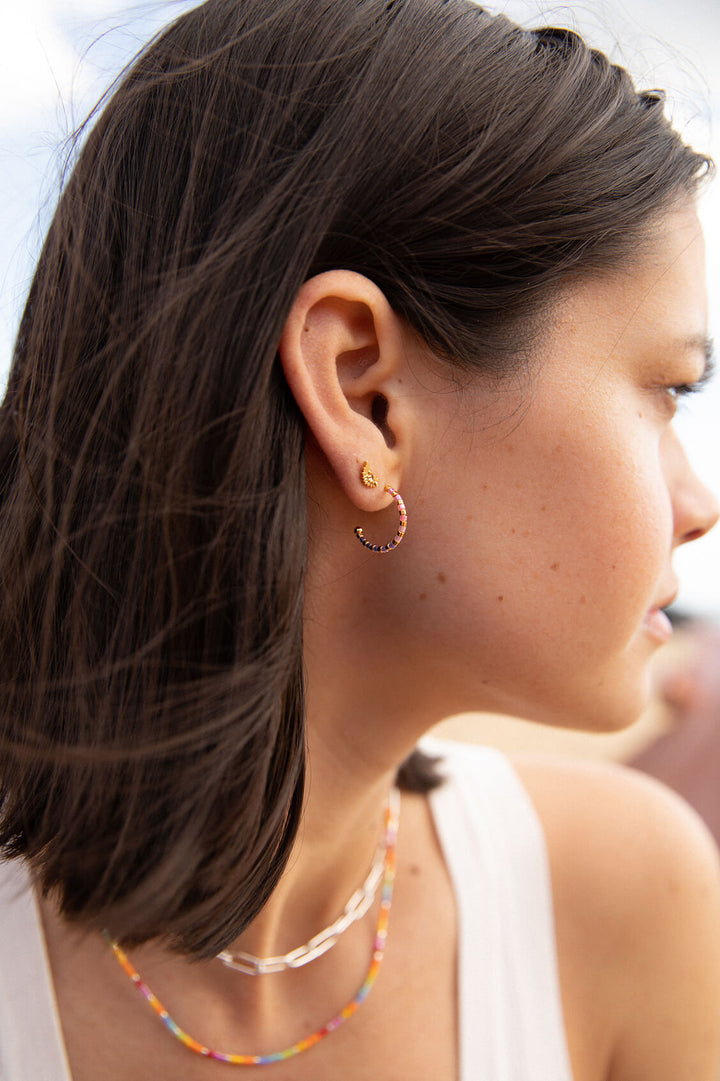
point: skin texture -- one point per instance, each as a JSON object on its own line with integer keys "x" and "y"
{"x": 542, "y": 518}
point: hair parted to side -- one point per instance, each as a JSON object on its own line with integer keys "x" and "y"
{"x": 152, "y": 523}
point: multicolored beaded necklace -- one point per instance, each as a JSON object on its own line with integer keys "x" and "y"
{"x": 392, "y": 818}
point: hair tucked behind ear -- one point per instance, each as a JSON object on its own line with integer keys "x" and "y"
{"x": 152, "y": 525}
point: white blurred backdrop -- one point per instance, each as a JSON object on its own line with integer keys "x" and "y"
{"x": 57, "y": 57}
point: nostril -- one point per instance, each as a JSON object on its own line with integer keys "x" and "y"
{"x": 694, "y": 534}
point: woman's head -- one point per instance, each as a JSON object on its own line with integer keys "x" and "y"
{"x": 153, "y": 535}
{"x": 543, "y": 511}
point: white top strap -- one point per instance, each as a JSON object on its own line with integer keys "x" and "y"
{"x": 511, "y": 1022}
{"x": 31, "y": 1044}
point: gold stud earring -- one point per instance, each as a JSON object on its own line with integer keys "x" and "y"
{"x": 367, "y": 476}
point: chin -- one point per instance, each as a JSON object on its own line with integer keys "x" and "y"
{"x": 605, "y": 709}
{"x": 599, "y": 706}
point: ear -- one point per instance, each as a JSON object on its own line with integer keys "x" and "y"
{"x": 343, "y": 350}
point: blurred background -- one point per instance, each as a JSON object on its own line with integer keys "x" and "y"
{"x": 58, "y": 56}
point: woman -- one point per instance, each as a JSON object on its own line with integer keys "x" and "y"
{"x": 317, "y": 264}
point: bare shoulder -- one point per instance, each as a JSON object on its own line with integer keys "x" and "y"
{"x": 640, "y": 830}
{"x": 636, "y": 883}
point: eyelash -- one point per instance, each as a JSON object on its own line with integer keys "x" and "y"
{"x": 684, "y": 390}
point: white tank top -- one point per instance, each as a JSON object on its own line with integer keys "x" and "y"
{"x": 511, "y": 1022}
{"x": 511, "y": 1026}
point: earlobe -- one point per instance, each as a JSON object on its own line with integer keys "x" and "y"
{"x": 341, "y": 350}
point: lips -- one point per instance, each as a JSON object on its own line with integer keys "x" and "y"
{"x": 657, "y": 623}
{"x": 668, "y": 598}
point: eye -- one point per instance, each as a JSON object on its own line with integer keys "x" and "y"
{"x": 683, "y": 390}
{"x": 677, "y": 391}
{"x": 671, "y": 397}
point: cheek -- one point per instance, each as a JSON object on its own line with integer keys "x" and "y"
{"x": 562, "y": 528}
{"x": 530, "y": 567}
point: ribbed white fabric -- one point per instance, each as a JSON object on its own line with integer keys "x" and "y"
{"x": 511, "y": 1026}
{"x": 31, "y": 1044}
{"x": 511, "y": 1022}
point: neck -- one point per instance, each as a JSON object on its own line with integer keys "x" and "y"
{"x": 361, "y": 724}
{"x": 343, "y": 826}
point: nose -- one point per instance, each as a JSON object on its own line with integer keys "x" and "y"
{"x": 695, "y": 508}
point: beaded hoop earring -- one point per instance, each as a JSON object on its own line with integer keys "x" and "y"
{"x": 370, "y": 481}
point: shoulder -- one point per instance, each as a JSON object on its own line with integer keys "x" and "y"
{"x": 619, "y": 825}
{"x": 614, "y": 836}
{"x": 636, "y": 886}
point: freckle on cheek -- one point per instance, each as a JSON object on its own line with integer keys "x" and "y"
{"x": 422, "y": 597}
{"x": 500, "y": 597}
{"x": 554, "y": 566}
{"x": 441, "y": 578}
{"x": 583, "y": 599}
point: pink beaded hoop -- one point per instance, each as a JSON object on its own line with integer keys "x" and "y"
{"x": 401, "y": 528}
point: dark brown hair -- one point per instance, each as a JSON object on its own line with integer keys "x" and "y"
{"x": 152, "y": 522}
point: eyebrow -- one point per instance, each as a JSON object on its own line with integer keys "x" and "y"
{"x": 701, "y": 343}
{"x": 704, "y": 345}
